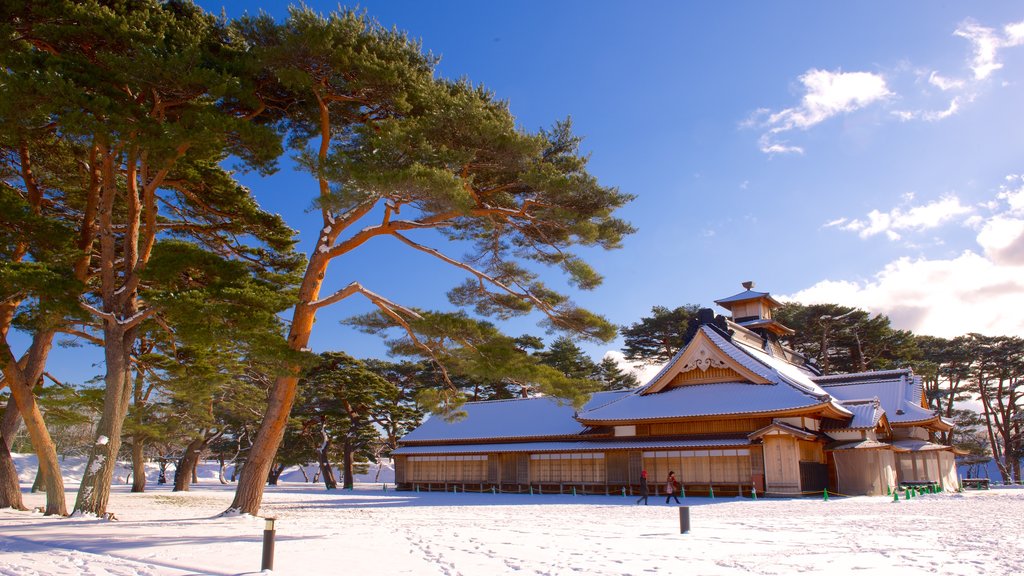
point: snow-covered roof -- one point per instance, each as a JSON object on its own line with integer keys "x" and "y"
{"x": 745, "y": 296}
{"x": 505, "y": 419}
{"x": 866, "y": 415}
{"x": 898, "y": 391}
{"x": 920, "y": 445}
{"x": 729, "y": 398}
{"x": 790, "y": 387}
{"x": 574, "y": 446}
{"x": 863, "y": 445}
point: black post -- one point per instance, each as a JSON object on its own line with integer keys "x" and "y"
{"x": 684, "y": 519}
{"x": 268, "y": 545}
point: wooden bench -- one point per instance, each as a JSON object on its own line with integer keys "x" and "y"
{"x": 975, "y": 483}
{"x": 925, "y": 484}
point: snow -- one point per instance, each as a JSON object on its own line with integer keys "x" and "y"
{"x": 372, "y": 531}
{"x": 102, "y": 441}
{"x": 504, "y": 419}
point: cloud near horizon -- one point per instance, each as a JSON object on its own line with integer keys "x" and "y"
{"x": 980, "y": 290}
{"x": 899, "y": 220}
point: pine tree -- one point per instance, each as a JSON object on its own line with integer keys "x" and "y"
{"x": 612, "y": 377}
{"x": 655, "y": 339}
{"x": 381, "y": 137}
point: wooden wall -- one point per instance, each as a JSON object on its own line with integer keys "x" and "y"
{"x": 733, "y": 426}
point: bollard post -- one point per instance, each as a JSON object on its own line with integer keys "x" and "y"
{"x": 268, "y": 544}
{"x": 684, "y": 519}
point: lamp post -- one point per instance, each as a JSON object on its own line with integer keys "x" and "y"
{"x": 268, "y": 544}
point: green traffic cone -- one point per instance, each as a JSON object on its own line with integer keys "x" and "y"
{"x": 753, "y": 493}
{"x": 531, "y": 489}
{"x": 573, "y": 491}
{"x": 826, "y": 494}
{"x": 623, "y": 491}
{"x": 712, "y": 489}
{"x": 895, "y": 496}
{"x": 682, "y": 491}
{"x": 888, "y": 491}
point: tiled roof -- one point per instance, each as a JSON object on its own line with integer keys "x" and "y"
{"x": 898, "y": 391}
{"x": 744, "y": 296}
{"x": 866, "y": 414}
{"x": 502, "y": 419}
{"x": 790, "y": 388}
{"x": 863, "y": 445}
{"x": 574, "y": 446}
{"x": 920, "y": 445}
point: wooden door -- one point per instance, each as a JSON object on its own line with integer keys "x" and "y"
{"x": 781, "y": 465}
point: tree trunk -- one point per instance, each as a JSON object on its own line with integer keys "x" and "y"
{"x": 220, "y": 473}
{"x": 39, "y": 484}
{"x": 10, "y": 490}
{"x": 330, "y": 482}
{"x": 249, "y": 494}
{"x": 138, "y": 465}
{"x": 9, "y": 498}
{"x": 21, "y": 379}
{"x": 187, "y": 463}
{"x": 346, "y": 462}
{"x": 274, "y": 475}
{"x": 94, "y": 492}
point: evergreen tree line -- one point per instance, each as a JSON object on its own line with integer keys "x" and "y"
{"x": 123, "y": 127}
{"x": 974, "y": 380}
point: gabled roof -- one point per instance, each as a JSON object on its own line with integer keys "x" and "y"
{"x": 783, "y": 387}
{"x": 867, "y": 414}
{"x": 782, "y": 428}
{"x": 899, "y": 392}
{"x": 521, "y": 418}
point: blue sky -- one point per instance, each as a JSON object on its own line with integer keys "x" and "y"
{"x": 862, "y": 153}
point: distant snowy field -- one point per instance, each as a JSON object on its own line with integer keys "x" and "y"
{"x": 370, "y": 531}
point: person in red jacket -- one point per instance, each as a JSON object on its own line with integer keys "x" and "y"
{"x": 644, "y": 490}
{"x": 672, "y": 488}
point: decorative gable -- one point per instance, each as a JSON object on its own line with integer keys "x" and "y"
{"x": 702, "y": 362}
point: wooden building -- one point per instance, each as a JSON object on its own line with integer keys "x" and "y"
{"x": 733, "y": 411}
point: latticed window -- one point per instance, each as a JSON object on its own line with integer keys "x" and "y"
{"x": 699, "y": 466}
{"x": 571, "y": 468}
{"x": 451, "y": 469}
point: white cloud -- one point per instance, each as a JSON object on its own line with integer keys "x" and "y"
{"x": 832, "y": 93}
{"x": 969, "y": 293}
{"x": 897, "y": 220}
{"x": 943, "y": 83}
{"x": 826, "y": 94}
{"x": 976, "y": 291}
{"x": 986, "y": 44}
{"x": 642, "y": 371}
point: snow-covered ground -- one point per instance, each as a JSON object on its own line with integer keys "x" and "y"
{"x": 372, "y": 531}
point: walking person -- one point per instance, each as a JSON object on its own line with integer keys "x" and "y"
{"x": 672, "y": 488}
{"x": 643, "y": 488}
